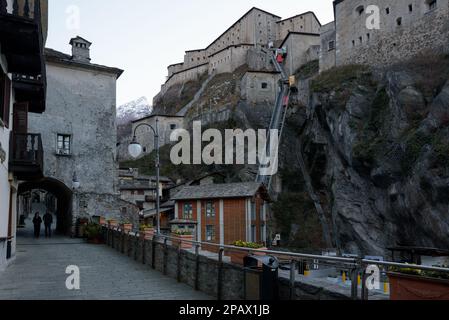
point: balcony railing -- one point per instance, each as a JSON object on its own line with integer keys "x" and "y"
{"x": 26, "y": 156}
{"x": 30, "y": 9}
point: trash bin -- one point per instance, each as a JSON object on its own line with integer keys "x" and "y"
{"x": 261, "y": 278}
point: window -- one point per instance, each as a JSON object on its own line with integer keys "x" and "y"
{"x": 173, "y": 127}
{"x": 141, "y": 192}
{"x": 360, "y": 39}
{"x": 63, "y": 145}
{"x": 331, "y": 45}
{"x": 387, "y": 10}
{"x": 353, "y": 43}
{"x": 253, "y": 211}
{"x": 5, "y": 98}
{"x": 431, "y": 4}
{"x": 368, "y": 36}
{"x": 210, "y": 233}
{"x": 188, "y": 211}
{"x": 410, "y": 8}
{"x": 253, "y": 233}
{"x": 140, "y": 205}
{"x": 360, "y": 10}
{"x": 399, "y": 21}
{"x": 210, "y": 209}
{"x": 264, "y": 85}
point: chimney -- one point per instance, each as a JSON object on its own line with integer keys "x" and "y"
{"x": 80, "y": 49}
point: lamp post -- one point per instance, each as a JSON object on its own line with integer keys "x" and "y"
{"x": 135, "y": 150}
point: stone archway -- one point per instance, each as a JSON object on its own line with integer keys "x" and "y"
{"x": 61, "y": 193}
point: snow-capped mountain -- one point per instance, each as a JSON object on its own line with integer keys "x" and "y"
{"x": 133, "y": 110}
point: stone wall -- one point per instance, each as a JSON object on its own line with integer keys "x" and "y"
{"x": 146, "y": 137}
{"x": 206, "y": 274}
{"x": 327, "y": 53}
{"x": 259, "y": 87}
{"x": 298, "y": 45}
{"x": 404, "y": 31}
{"x": 183, "y": 76}
{"x": 306, "y": 22}
{"x": 229, "y": 59}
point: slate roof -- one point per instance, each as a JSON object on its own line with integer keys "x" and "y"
{"x": 59, "y": 57}
{"x": 219, "y": 191}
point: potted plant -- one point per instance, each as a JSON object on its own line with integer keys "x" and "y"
{"x": 93, "y": 233}
{"x": 127, "y": 226}
{"x": 147, "y": 231}
{"x": 112, "y": 223}
{"x": 237, "y": 256}
{"x": 183, "y": 239}
{"x": 413, "y": 284}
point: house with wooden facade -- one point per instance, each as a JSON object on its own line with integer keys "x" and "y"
{"x": 223, "y": 213}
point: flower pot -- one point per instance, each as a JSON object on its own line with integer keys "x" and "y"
{"x": 260, "y": 254}
{"x": 127, "y": 227}
{"x": 147, "y": 233}
{"x": 112, "y": 224}
{"x": 414, "y": 287}
{"x": 180, "y": 240}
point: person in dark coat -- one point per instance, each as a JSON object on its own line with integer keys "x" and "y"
{"x": 37, "y": 222}
{"x": 48, "y": 221}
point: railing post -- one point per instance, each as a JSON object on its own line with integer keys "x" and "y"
{"x": 220, "y": 275}
{"x": 178, "y": 270}
{"x": 3, "y": 6}
{"x": 165, "y": 256}
{"x": 136, "y": 246}
{"x": 144, "y": 247}
{"x": 292, "y": 279}
{"x": 26, "y": 9}
{"x": 153, "y": 253}
{"x": 365, "y": 292}
{"x": 197, "y": 267}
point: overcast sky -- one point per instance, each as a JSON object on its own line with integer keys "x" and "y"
{"x": 143, "y": 37}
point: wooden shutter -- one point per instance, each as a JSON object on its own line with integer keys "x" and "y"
{"x": 20, "y": 117}
{"x": 5, "y": 98}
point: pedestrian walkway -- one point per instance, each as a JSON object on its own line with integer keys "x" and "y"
{"x": 39, "y": 273}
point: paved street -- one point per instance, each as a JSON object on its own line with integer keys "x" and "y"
{"x": 39, "y": 273}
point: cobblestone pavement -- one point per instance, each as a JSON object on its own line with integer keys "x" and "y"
{"x": 38, "y": 273}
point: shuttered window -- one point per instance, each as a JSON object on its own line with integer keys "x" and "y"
{"x": 5, "y": 98}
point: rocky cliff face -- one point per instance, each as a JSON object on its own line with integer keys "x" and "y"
{"x": 376, "y": 146}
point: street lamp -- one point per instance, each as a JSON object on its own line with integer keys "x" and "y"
{"x": 135, "y": 149}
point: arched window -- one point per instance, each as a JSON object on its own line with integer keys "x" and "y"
{"x": 360, "y": 10}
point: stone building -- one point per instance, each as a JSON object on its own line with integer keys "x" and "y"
{"x": 23, "y": 32}
{"x": 327, "y": 52}
{"x": 166, "y": 125}
{"x": 406, "y": 27}
{"x": 79, "y": 137}
{"x": 255, "y": 30}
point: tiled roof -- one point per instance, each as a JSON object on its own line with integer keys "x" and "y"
{"x": 219, "y": 191}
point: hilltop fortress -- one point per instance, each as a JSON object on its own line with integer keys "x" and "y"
{"x": 370, "y": 32}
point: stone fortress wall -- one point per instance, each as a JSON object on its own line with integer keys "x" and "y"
{"x": 256, "y": 29}
{"x": 406, "y": 28}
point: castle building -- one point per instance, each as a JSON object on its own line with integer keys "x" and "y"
{"x": 241, "y": 44}
{"x": 383, "y": 32}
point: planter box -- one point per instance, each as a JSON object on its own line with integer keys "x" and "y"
{"x": 127, "y": 227}
{"x": 411, "y": 287}
{"x": 112, "y": 224}
{"x": 147, "y": 233}
{"x": 238, "y": 256}
{"x": 180, "y": 241}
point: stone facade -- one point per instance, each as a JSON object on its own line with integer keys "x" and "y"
{"x": 252, "y": 32}
{"x": 259, "y": 87}
{"x": 301, "y": 48}
{"x": 79, "y": 130}
{"x": 166, "y": 125}
{"x": 407, "y": 27}
{"x": 327, "y": 53}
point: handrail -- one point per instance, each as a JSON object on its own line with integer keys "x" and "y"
{"x": 353, "y": 261}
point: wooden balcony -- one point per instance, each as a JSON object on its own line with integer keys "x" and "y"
{"x": 26, "y": 156}
{"x": 22, "y": 43}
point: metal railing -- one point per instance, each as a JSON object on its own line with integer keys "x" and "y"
{"x": 356, "y": 267}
